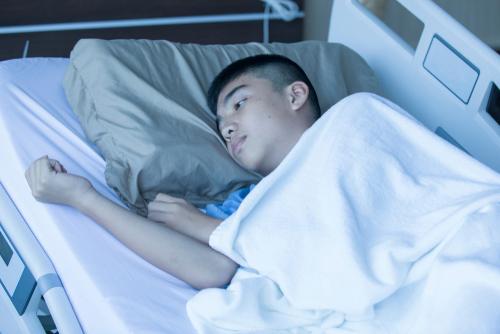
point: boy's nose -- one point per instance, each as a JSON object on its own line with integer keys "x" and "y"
{"x": 228, "y": 131}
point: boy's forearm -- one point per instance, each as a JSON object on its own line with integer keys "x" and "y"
{"x": 199, "y": 227}
{"x": 180, "y": 255}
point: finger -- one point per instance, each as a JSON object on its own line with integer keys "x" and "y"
{"x": 44, "y": 173}
{"x": 158, "y": 206}
{"x": 56, "y": 165}
{"x": 161, "y": 197}
{"x": 37, "y": 170}
{"x": 151, "y": 215}
{"x": 50, "y": 166}
{"x": 27, "y": 172}
{"x": 33, "y": 172}
{"x": 60, "y": 167}
{"x": 44, "y": 167}
{"x": 41, "y": 158}
{"x": 156, "y": 216}
{"x": 42, "y": 161}
{"x": 27, "y": 175}
{"x": 151, "y": 205}
{"x": 165, "y": 198}
{"x": 52, "y": 163}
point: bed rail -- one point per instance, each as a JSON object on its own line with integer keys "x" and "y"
{"x": 26, "y": 274}
{"x": 449, "y": 81}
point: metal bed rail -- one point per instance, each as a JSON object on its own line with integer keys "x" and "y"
{"x": 29, "y": 282}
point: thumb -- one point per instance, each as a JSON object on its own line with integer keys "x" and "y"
{"x": 56, "y": 165}
{"x": 43, "y": 166}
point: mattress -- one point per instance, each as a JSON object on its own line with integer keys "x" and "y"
{"x": 111, "y": 289}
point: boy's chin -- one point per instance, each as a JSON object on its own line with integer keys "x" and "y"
{"x": 246, "y": 165}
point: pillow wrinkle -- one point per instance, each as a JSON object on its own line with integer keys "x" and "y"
{"x": 189, "y": 116}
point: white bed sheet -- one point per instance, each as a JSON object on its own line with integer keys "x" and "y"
{"x": 112, "y": 290}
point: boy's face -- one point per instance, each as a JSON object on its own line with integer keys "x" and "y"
{"x": 254, "y": 120}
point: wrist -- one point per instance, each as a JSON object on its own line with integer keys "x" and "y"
{"x": 205, "y": 230}
{"x": 84, "y": 200}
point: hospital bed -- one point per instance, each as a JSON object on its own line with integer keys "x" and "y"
{"x": 61, "y": 272}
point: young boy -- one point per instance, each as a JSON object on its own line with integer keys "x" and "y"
{"x": 263, "y": 106}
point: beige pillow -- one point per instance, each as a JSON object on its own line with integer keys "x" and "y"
{"x": 143, "y": 104}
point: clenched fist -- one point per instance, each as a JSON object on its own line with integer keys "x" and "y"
{"x": 51, "y": 183}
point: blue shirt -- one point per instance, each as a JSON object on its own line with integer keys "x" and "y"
{"x": 231, "y": 203}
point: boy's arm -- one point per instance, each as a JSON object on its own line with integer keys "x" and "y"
{"x": 182, "y": 216}
{"x": 169, "y": 250}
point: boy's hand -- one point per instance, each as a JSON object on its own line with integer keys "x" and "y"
{"x": 172, "y": 210}
{"x": 182, "y": 216}
{"x": 51, "y": 183}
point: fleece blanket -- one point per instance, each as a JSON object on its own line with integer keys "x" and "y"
{"x": 371, "y": 224}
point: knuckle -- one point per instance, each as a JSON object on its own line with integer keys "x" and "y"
{"x": 36, "y": 193}
{"x": 176, "y": 208}
{"x": 43, "y": 181}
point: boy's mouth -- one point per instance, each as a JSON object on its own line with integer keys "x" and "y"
{"x": 236, "y": 144}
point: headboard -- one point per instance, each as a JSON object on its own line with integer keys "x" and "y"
{"x": 449, "y": 81}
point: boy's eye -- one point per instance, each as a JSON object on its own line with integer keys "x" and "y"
{"x": 239, "y": 104}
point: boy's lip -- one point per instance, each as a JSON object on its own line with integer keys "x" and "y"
{"x": 236, "y": 144}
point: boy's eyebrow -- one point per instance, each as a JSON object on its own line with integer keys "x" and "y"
{"x": 232, "y": 92}
{"x": 226, "y": 100}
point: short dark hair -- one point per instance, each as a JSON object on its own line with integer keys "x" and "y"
{"x": 280, "y": 70}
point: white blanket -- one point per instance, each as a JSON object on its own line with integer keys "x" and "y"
{"x": 371, "y": 224}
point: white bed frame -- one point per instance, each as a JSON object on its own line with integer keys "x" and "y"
{"x": 445, "y": 82}
{"x": 28, "y": 276}
{"x": 426, "y": 81}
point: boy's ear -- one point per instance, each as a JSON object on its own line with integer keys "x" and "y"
{"x": 298, "y": 92}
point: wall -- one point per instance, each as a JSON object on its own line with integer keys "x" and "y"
{"x": 59, "y": 44}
